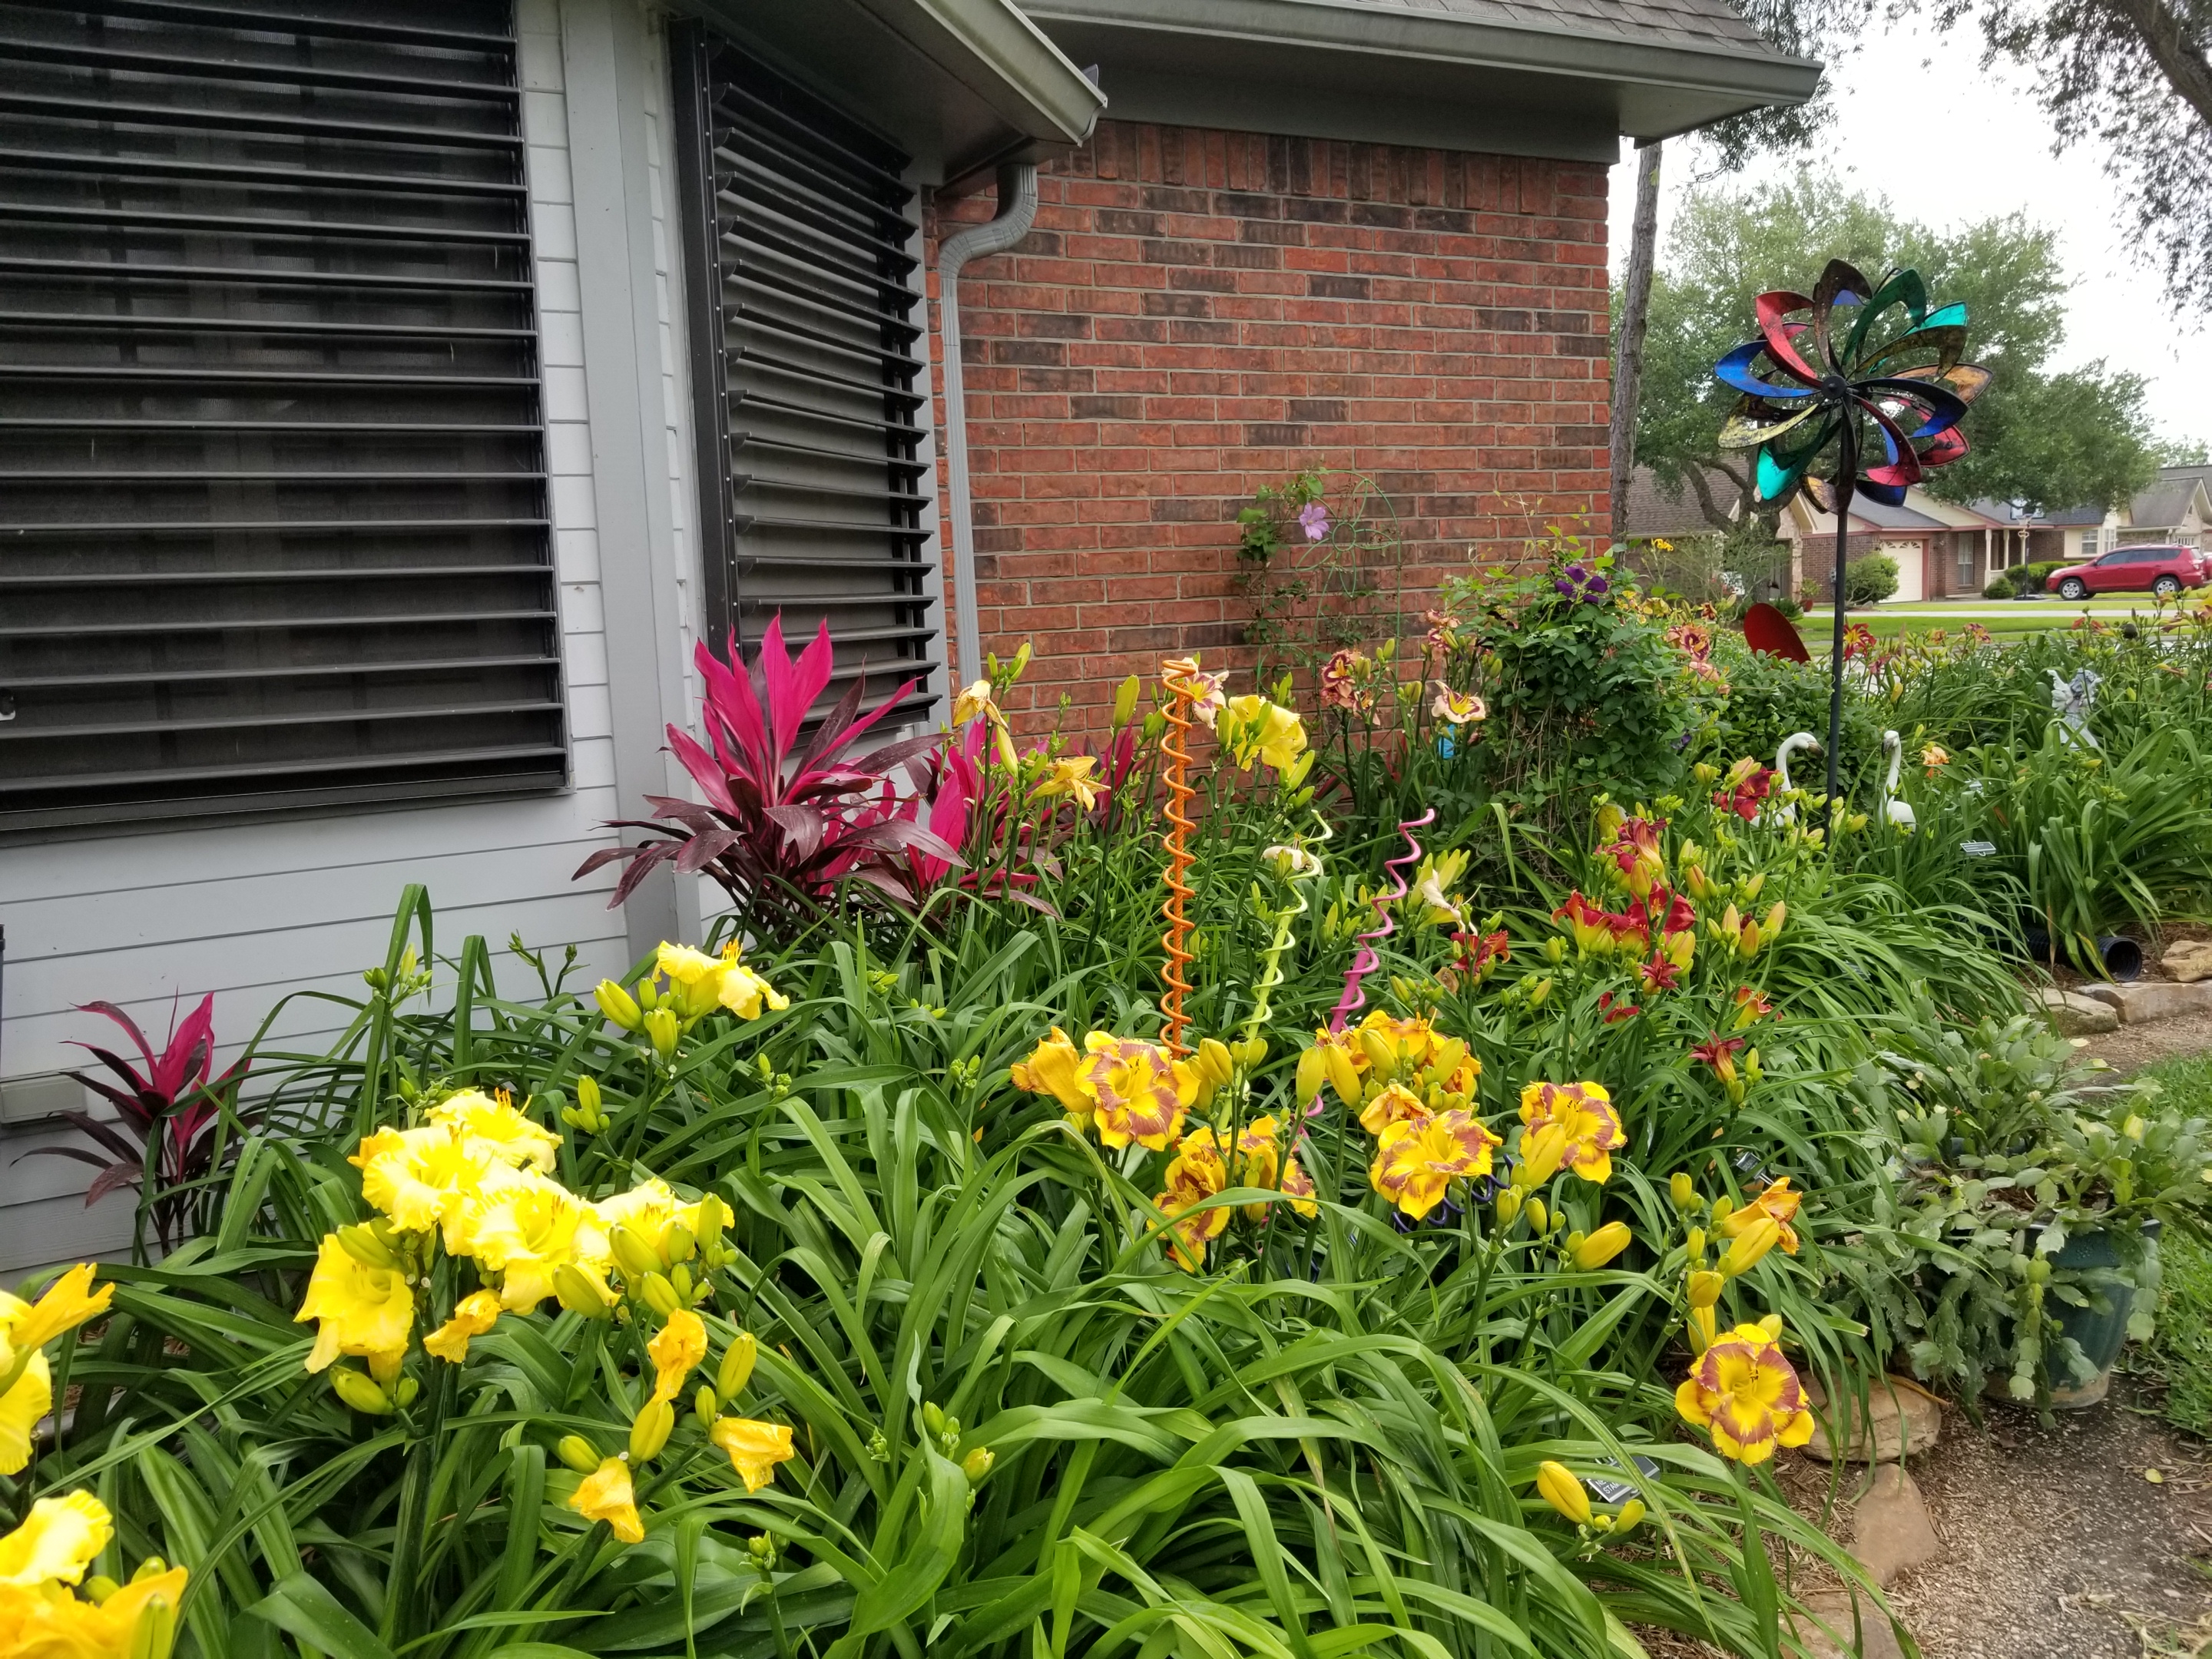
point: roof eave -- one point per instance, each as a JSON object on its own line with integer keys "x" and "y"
{"x": 956, "y": 83}
{"x": 1653, "y": 88}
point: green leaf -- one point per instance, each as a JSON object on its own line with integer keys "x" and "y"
{"x": 301, "y": 1607}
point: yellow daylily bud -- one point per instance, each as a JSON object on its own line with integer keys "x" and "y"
{"x": 1125, "y": 701}
{"x": 704, "y": 1406}
{"x": 1701, "y": 1329}
{"x": 1251, "y": 1052}
{"x": 1540, "y": 1159}
{"x": 1602, "y": 1246}
{"x": 1537, "y": 1219}
{"x": 1343, "y": 1075}
{"x": 662, "y": 1026}
{"x": 587, "y": 1095}
{"x": 365, "y": 1248}
{"x": 1562, "y": 1492}
{"x": 1771, "y": 923}
{"x": 1696, "y": 1244}
{"x": 155, "y": 1633}
{"x": 1215, "y": 1063}
{"x": 1382, "y": 1059}
{"x": 632, "y": 1254}
{"x": 681, "y": 1243}
{"x": 1752, "y": 884}
{"x": 650, "y": 1431}
{"x": 1704, "y": 1288}
{"x": 578, "y": 1294}
{"x": 98, "y": 1587}
{"x": 737, "y": 1366}
{"x": 577, "y": 1453}
{"x": 1540, "y": 989}
{"x": 1508, "y": 1206}
{"x": 1724, "y": 1207}
{"x": 660, "y": 1294}
{"x": 1313, "y": 1072}
{"x": 713, "y": 1216}
{"x": 1446, "y": 1058}
{"x": 1683, "y": 1190}
{"x": 1631, "y": 1517}
{"x": 618, "y": 1005}
{"x": 361, "y": 1392}
{"x": 1771, "y": 1324}
{"x": 1752, "y": 1242}
{"x": 977, "y": 1465}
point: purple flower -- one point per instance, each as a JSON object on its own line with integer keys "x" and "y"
{"x": 1313, "y": 518}
{"x": 1598, "y": 587}
{"x": 1575, "y": 572}
{"x": 1564, "y": 586}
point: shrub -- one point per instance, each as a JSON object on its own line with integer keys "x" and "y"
{"x": 1870, "y": 580}
{"x": 2001, "y": 587}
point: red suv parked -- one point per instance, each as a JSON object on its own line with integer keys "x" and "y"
{"x": 2162, "y": 569}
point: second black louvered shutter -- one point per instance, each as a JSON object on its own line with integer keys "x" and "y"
{"x": 806, "y": 333}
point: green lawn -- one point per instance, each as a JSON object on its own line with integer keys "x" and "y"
{"x": 2002, "y": 618}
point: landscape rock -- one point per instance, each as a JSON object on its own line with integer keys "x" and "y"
{"x": 2073, "y": 1015}
{"x": 1892, "y": 1531}
{"x": 1833, "y": 1609}
{"x": 1902, "y": 1418}
{"x": 2188, "y": 960}
{"x": 2149, "y": 999}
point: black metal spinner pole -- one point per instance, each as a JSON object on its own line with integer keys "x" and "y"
{"x": 1847, "y": 471}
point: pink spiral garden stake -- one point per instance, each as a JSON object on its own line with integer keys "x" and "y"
{"x": 1364, "y": 961}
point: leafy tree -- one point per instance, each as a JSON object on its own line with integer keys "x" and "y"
{"x": 2135, "y": 77}
{"x": 2053, "y": 439}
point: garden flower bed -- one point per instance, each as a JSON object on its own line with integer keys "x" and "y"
{"x": 1380, "y": 1179}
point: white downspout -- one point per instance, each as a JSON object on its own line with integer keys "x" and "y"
{"x": 1018, "y": 205}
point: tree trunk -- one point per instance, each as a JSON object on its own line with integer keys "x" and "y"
{"x": 1635, "y": 317}
{"x": 2183, "y": 63}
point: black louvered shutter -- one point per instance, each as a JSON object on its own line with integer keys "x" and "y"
{"x": 272, "y": 499}
{"x": 806, "y": 330}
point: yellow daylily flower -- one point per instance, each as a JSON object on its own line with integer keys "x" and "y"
{"x": 1256, "y": 729}
{"x": 1602, "y": 1246}
{"x": 678, "y": 1347}
{"x": 1054, "y": 1068}
{"x": 1747, "y": 1394}
{"x": 1142, "y": 1092}
{"x": 30, "y": 1399}
{"x": 420, "y": 1178}
{"x": 364, "y": 1311}
{"x": 497, "y": 1129}
{"x": 524, "y": 1231}
{"x": 67, "y": 1304}
{"x": 56, "y": 1543}
{"x": 648, "y": 1211}
{"x": 1775, "y": 1202}
{"x": 755, "y": 1448}
{"x": 1070, "y": 778}
{"x": 137, "y": 1622}
{"x": 1417, "y": 1159}
{"x": 607, "y": 1495}
{"x": 708, "y": 980}
{"x": 473, "y": 1314}
{"x": 1585, "y": 1111}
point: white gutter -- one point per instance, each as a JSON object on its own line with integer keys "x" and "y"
{"x": 1018, "y": 205}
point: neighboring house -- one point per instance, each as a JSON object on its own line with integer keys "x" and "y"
{"x": 1943, "y": 549}
{"x": 2174, "y": 506}
{"x": 396, "y": 389}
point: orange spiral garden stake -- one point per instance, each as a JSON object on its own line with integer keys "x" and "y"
{"x": 1178, "y": 675}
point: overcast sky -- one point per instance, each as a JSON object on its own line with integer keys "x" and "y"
{"x": 1988, "y": 152}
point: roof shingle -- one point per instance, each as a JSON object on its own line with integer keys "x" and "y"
{"x": 1677, "y": 22}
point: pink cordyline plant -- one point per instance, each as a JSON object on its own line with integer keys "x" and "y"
{"x": 782, "y": 825}
{"x": 168, "y": 1108}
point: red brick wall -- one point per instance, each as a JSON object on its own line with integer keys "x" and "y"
{"x": 1196, "y": 313}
